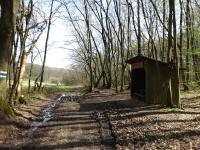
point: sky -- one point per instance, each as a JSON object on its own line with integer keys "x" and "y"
{"x": 59, "y": 54}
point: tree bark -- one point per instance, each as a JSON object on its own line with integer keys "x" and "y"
{"x": 181, "y": 41}
{"x": 174, "y": 99}
{"x": 46, "y": 45}
{"x": 7, "y": 27}
{"x": 188, "y": 26}
{"x": 22, "y": 72}
{"x": 139, "y": 30}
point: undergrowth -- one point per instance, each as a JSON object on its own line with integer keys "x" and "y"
{"x": 5, "y": 109}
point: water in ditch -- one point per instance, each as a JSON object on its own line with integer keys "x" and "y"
{"x": 48, "y": 112}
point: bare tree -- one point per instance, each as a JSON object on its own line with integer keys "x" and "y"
{"x": 46, "y": 44}
{"x": 28, "y": 32}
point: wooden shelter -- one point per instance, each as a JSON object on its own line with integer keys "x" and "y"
{"x": 150, "y": 80}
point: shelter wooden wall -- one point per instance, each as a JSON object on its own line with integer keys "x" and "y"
{"x": 157, "y": 83}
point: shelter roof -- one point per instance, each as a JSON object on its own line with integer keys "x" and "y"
{"x": 140, "y": 58}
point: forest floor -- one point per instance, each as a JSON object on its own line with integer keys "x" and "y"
{"x": 104, "y": 120}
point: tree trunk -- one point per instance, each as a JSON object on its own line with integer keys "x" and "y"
{"x": 46, "y": 46}
{"x": 22, "y": 72}
{"x": 30, "y": 73}
{"x": 188, "y": 25}
{"x": 163, "y": 32}
{"x": 170, "y": 49}
{"x": 139, "y": 31}
{"x": 181, "y": 41}
{"x": 89, "y": 45}
{"x": 7, "y": 23}
{"x": 174, "y": 90}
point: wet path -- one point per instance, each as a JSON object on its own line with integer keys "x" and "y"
{"x": 68, "y": 127}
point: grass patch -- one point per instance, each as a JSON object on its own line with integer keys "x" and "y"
{"x": 49, "y": 88}
{"x": 61, "y": 88}
{"x": 5, "y": 109}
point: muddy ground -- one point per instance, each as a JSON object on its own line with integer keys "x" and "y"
{"x": 104, "y": 120}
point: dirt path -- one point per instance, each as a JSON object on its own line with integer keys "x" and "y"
{"x": 72, "y": 126}
{"x": 104, "y": 120}
{"x": 69, "y": 129}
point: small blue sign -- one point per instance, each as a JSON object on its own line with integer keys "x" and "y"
{"x": 3, "y": 74}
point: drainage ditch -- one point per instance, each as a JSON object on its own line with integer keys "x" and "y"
{"x": 48, "y": 112}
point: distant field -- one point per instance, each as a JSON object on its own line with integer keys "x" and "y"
{"x": 52, "y": 87}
